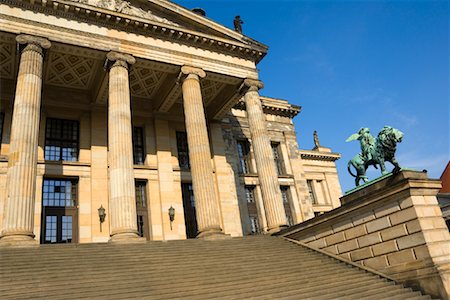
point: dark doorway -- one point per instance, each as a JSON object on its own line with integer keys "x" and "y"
{"x": 190, "y": 217}
{"x": 59, "y": 211}
{"x": 141, "y": 209}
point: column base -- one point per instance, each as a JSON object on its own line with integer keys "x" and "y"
{"x": 18, "y": 240}
{"x": 213, "y": 235}
{"x": 127, "y": 238}
{"x": 276, "y": 229}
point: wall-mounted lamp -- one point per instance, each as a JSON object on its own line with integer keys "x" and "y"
{"x": 171, "y": 215}
{"x": 101, "y": 215}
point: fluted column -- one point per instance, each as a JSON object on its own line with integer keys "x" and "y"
{"x": 18, "y": 218}
{"x": 120, "y": 150}
{"x": 265, "y": 163}
{"x": 206, "y": 206}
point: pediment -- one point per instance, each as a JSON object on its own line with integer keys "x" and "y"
{"x": 173, "y": 16}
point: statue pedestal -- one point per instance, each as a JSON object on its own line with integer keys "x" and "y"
{"x": 392, "y": 225}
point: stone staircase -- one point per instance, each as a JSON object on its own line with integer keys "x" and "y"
{"x": 261, "y": 267}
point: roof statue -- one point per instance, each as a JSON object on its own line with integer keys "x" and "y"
{"x": 238, "y": 24}
{"x": 316, "y": 139}
{"x": 374, "y": 151}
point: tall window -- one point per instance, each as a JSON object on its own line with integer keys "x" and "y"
{"x": 141, "y": 208}
{"x": 250, "y": 194}
{"x": 252, "y": 209}
{"x": 141, "y": 200}
{"x": 285, "y": 195}
{"x": 278, "y": 158}
{"x": 244, "y": 156}
{"x": 312, "y": 195}
{"x": 138, "y": 146}
{"x": 61, "y": 140}
{"x": 183, "y": 150}
{"x": 254, "y": 225}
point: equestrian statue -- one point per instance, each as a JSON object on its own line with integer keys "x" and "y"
{"x": 374, "y": 151}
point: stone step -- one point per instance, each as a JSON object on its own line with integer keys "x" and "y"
{"x": 179, "y": 274}
{"x": 276, "y": 286}
{"x": 211, "y": 288}
{"x": 239, "y": 268}
{"x": 84, "y": 265}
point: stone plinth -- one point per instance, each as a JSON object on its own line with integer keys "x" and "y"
{"x": 394, "y": 226}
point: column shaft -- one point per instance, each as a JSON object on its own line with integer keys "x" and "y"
{"x": 120, "y": 156}
{"x": 18, "y": 220}
{"x": 265, "y": 163}
{"x": 206, "y": 205}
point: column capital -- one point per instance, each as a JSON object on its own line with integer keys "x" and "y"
{"x": 33, "y": 43}
{"x": 117, "y": 59}
{"x": 188, "y": 71}
{"x": 250, "y": 85}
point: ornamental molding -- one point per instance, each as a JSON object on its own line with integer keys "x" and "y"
{"x": 122, "y": 15}
{"x": 273, "y": 106}
{"x": 321, "y": 156}
{"x": 125, "y": 7}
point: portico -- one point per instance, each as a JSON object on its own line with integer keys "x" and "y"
{"x": 133, "y": 104}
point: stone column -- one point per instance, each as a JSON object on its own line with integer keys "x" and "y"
{"x": 206, "y": 205}
{"x": 120, "y": 156}
{"x": 18, "y": 220}
{"x": 265, "y": 163}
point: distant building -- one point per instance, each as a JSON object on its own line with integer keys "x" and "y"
{"x": 444, "y": 195}
{"x": 125, "y": 112}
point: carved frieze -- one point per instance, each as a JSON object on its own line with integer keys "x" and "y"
{"x": 128, "y": 8}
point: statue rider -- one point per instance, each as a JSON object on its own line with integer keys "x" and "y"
{"x": 367, "y": 142}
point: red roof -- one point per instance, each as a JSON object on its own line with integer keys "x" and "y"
{"x": 445, "y": 178}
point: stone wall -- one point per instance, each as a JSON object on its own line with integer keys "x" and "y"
{"x": 393, "y": 226}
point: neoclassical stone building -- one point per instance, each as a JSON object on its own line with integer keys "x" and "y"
{"x": 151, "y": 113}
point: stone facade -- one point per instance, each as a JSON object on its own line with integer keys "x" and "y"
{"x": 138, "y": 109}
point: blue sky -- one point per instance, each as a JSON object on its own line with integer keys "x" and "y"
{"x": 355, "y": 64}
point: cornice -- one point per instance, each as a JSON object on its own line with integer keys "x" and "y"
{"x": 274, "y": 106}
{"x": 252, "y": 51}
{"x": 316, "y": 155}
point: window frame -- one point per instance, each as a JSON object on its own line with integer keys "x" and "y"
{"x": 60, "y": 141}
{"x": 312, "y": 192}
{"x": 286, "y": 197}
{"x": 183, "y": 152}
{"x": 2, "y": 122}
{"x": 138, "y": 149}
{"x": 244, "y": 156}
{"x": 278, "y": 158}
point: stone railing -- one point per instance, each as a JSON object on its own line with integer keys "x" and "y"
{"x": 393, "y": 226}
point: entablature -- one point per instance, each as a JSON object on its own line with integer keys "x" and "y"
{"x": 136, "y": 17}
